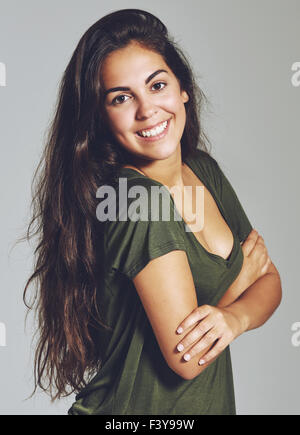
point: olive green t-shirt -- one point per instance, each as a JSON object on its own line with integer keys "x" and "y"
{"x": 134, "y": 377}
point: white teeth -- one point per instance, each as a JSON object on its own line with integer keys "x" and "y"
{"x": 155, "y": 131}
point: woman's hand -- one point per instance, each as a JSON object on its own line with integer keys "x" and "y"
{"x": 255, "y": 264}
{"x": 256, "y": 258}
{"x": 215, "y": 329}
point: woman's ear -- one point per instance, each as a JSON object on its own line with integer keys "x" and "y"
{"x": 184, "y": 96}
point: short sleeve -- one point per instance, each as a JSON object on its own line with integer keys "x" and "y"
{"x": 152, "y": 228}
{"x": 231, "y": 203}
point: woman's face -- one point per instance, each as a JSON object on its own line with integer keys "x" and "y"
{"x": 144, "y": 104}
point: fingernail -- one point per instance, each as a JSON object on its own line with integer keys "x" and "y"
{"x": 201, "y": 362}
{"x": 179, "y": 330}
{"x": 187, "y": 357}
{"x": 180, "y": 347}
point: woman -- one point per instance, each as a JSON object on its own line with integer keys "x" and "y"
{"x": 114, "y": 290}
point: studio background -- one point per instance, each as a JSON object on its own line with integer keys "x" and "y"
{"x": 242, "y": 52}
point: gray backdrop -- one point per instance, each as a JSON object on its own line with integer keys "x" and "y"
{"x": 243, "y": 52}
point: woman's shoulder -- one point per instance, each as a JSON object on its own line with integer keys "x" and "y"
{"x": 203, "y": 158}
{"x": 207, "y": 165}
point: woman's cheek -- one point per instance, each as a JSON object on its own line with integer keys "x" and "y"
{"x": 119, "y": 122}
{"x": 172, "y": 104}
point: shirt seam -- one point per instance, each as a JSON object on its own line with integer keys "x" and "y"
{"x": 177, "y": 244}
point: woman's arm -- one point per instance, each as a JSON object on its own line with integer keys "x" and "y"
{"x": 217, "y": 326}
{"x": 234, "y": 291}
{"x": 256, "y": 262}
{"x": 256, "y": 305}
{"x": 167, "y": 291}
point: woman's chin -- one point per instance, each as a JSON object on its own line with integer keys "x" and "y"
{"x": 160, "y": 152}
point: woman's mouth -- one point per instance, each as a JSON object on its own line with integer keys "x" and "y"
{"x": 156, "y": 133}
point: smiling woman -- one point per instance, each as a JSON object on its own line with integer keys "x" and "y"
{"x": 112, "y": 293}
{"x": 148, "y": 108}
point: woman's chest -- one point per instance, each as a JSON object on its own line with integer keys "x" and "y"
{"x": 200, "y": 212}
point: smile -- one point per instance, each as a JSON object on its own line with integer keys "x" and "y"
{"x": 157, "y": 132}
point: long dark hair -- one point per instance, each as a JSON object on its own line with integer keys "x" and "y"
{"x": 80, "y": 155}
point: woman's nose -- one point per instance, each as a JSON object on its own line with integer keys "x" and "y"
{"x": 145, "y": 109}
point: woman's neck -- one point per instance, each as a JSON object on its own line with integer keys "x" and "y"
{"x": 169, "y": 172}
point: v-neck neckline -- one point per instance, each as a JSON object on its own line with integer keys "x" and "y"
{"x": 204, "y": 180}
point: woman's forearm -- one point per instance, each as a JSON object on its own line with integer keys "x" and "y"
{"x": 234, "y": 291}
{"x": 250, "y": 310}
{"x": 256, "y": 304}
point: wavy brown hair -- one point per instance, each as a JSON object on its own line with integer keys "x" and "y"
{"x": 80, "y": 155}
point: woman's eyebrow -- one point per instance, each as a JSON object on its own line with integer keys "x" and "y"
{"x": 122, "y": 88}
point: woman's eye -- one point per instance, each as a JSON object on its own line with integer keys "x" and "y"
{"x": 119, "y": 99}
{"x": 159, "y": 88}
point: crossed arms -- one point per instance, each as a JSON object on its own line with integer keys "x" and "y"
{"x": 166, "y": 289}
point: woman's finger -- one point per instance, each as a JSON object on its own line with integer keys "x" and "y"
{"x": 266, "y": 266}
{"x": 214, "y": 351}
{"x": 260, "y": 252}
{"x": 195, "y": 334}
{"x": 250, "y": 242}
{"x": 196, "y": 315}
{"x": 206, "y": 342}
